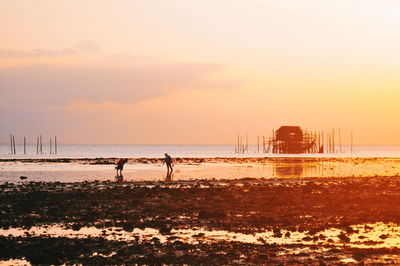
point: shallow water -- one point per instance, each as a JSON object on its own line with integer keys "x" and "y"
{"x": 378, "y": 235}
{"x": 157, "y": 151}
{"x": 274, "y": 168}
{"x": 14, "y": 262}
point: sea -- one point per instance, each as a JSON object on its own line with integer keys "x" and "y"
{"x": 362, "y": 161}
{"x": 199, "y": 151}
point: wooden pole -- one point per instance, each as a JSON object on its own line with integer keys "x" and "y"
{"x": 273, "y": 141}
{"x": 15, "y": 152}
{"x": 264, "y": 151}
{"x": 41, "y": 145}
{"x": 333, "y": 140}
{"x": 37, "y": 145}
{"x": 330, "y": 142}
{"x": 55, "y": 144}
{"x": 51, "y": 150}
{"x": 258, "y": 144}
{"x": 340, "y": 142}
{"x": 238, "y": 143}
{"x": 24, "y": 145}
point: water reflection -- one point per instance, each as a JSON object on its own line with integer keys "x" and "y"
{"x": 289, "y": 170}
{"x": 377, "y": 235}
{"x": 212, "y": 168}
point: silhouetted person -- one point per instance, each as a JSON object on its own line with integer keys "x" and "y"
{"x": 168, "y": 161}
{"x": 120, "y": 166}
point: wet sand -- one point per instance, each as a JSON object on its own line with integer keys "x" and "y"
{"x": 241, "y": 221}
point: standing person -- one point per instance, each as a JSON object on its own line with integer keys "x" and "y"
{"x": 168, "y": 161}
{"x": 120, "y": 166}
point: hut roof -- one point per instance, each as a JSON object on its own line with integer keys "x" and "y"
{"x": 289, "y": 133}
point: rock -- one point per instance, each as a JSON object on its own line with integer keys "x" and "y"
{"x": 343, "y": 237}
{"x": 383, "y": 236}
{"x": 23, "y": 177}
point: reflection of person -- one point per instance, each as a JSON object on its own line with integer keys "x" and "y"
{"x": 168, "y": 161}
{"x": 120, "y": 166}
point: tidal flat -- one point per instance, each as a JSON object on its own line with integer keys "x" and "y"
{"x": 237, "y": 221}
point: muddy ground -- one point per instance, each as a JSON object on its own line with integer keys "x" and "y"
{"x": 248, "y": 206}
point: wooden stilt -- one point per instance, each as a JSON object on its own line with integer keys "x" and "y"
{"x": 238, "y": 143}
{"x": 264, "y": 151}
{"x": 15, "y": 152}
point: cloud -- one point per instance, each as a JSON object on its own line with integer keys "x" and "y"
{"x": 125, "y": 83}
{"x": 10, "y": 53}
{"x": 82, "y": 100}
{"x": 89, "y": 47}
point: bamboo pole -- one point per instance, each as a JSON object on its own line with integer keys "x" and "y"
{"x": 264, "y": 144}
{"x": 24, "y": 145}
{"x": 258, "y": 144}
{"x": 330, "y": 142}
{"x": 15, "y": 152}
{"x": 273, "y": 141}
{"x": 41, "y": 145}
{"x": 340, "y": 142}
{"x": 55, "y": 144}
{"x": 37, "y": 145}
{"x": 238, "y": 143}
{"x": 333, "y": 140}
{"x": 51, "y": 146}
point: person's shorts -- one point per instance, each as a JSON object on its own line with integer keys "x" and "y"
{"x": 119, "y": 167}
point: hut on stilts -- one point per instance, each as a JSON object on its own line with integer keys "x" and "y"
{"x": 292, "y": 139}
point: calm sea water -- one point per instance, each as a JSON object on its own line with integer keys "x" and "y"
{"x": 157, "y": 151}
{"x": 50, "y": 172}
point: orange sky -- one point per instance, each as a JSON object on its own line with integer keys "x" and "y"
{"x": 197, "y": 72}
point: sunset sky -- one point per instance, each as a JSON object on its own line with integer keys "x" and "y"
{"x": 198, "y": 71}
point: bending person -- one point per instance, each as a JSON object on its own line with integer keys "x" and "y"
{"x": 120, "y": 166}
{"x": 168, "y": 161}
